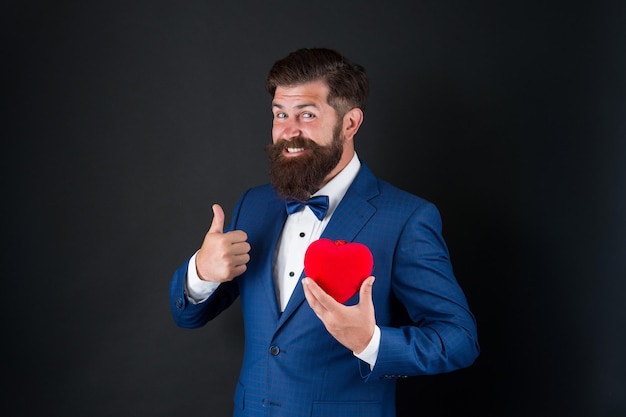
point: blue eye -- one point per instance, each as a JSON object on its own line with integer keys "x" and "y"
{"x": 280, "y": 115}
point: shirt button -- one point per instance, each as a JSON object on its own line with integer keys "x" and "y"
{"x": 274, "y": 350}
{"x": 302, "y": 234}
{"x": 291, "y": 274}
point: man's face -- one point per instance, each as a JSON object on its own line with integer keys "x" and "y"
{"x": 307, "y": 141}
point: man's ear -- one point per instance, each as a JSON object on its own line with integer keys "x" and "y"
{"x": 352, "y": 120}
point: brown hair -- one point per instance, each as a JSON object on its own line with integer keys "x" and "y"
{"x": 348, "y": 83}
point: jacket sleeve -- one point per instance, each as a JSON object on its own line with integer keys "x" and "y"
{"x": 442, "y": 335}
{"x": 190, "y": 315}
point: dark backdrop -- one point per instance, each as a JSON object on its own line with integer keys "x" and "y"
{"x": 123, "y": 121}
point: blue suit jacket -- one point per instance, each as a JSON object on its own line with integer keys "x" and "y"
{"x": 292, "y": 366}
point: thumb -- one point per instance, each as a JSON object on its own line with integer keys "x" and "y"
{"x": 217, "y": 225}
{"x": 366, "y": 289}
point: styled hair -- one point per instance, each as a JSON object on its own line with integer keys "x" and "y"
{"x": 347, "y": 81}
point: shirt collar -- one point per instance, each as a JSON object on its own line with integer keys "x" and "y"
{"x": 336, "y": 188}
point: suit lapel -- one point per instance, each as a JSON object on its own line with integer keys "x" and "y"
{"x": 275, "y": 215}
{"x": 349, "y": 217}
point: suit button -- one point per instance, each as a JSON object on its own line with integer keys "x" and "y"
{"x": 179, "y": 303}
{"x": 274, "y": 350}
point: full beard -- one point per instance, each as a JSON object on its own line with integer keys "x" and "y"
{"x": 299, "y": 177}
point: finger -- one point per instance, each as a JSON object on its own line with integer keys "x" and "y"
{"x": 236, "y": 237}
{"x": 240, "y": 248}
{"x": 366, "y": 289}
{"x": 324, "y": 300}
{"x": 217, "y": 225}
{"x": 310, "y": 297}
{"x": 243, "y": 259}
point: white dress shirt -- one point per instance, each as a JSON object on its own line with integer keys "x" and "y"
{"x": 300, "y": 229}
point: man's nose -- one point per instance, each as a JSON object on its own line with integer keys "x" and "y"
{"x": 291, "y": 129}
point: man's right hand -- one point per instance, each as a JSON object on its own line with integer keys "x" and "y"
{"x": 223, "y": 256}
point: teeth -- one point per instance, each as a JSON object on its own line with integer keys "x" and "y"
{"x": 294, "y": 150}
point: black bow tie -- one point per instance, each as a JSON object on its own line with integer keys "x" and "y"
{"x": 317, "y": 204}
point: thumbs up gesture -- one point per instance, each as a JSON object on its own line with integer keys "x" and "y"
{"x": 223, "y": 256}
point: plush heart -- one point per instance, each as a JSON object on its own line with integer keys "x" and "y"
{"x": 339, "y": 267}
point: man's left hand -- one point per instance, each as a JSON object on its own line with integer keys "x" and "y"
{"x": 352, "y": 326}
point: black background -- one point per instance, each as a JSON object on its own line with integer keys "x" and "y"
{"x": 123, "y": 121}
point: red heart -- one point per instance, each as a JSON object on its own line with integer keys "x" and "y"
{"x": 338, "y": 267}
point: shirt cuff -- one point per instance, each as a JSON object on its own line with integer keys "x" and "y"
{"x": 197, "y": 290}
{"x": 370, "y": 353}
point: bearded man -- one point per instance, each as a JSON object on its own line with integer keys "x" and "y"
{"x": 306, "y": 354}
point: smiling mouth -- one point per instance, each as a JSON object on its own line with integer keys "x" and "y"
{"x": 292, "y": 152}
{"x": 295, "y": 147}
{"x": 295, "y": 150}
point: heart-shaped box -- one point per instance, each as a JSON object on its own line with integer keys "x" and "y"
{"x": 338, "y": 267}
